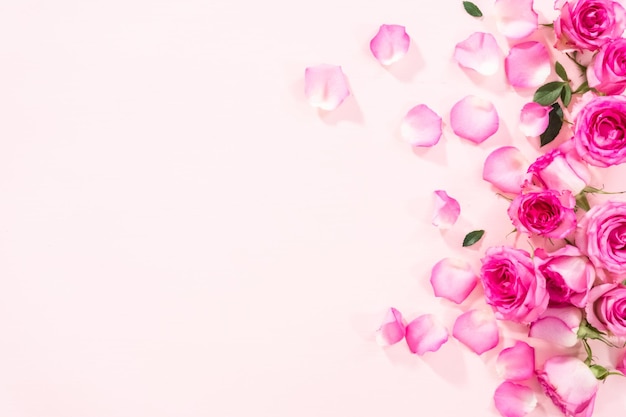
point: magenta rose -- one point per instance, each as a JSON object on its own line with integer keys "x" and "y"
{"x": 588, "y": 24}
{"x": 606, "y": 309}
{"x": 511, "y": 286}
{"x": 544, "y": 213}
{"x": 607, "y": 71}
{"x": 560, "y": 169}
{"x": 600, "y": 131}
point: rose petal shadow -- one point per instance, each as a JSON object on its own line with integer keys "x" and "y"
{"x": 348, "y": 111}
{"x": 409, "y": 66}
{"x": 448, "y": 363}
{"x": 496, "y": 82}
{"x": 436, "y": 154}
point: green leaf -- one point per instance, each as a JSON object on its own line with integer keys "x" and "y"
{"x": 566, "y": 95}
{"x": 600, "y": 372}
{"x": 560, "y": 71}
{"x": 582, "y": 202}
{"x": 555, "y": 122}
{"x": 473, "y": 237}
{"x": 472, "y": 9}
{"x": 548, "y": 93}
{"x": 582, "y": 89}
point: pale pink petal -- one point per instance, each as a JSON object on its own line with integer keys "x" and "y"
{"x": 514, "y": 400}
{"x": 477, "y": 330}
{"x": 425, "y": 334}
{"x": 390, "y": 44}
{"x": 515, "y": 19}
{"x": 392, "y": 329}
{"x": 534, "y": 119}
{"x": 621, "y": 364}
{"x": 516, "y": 363}
{"x": 527, "y": 65}
{"x": 479, "y": 52}
{"x": 553, "y": 330}
{"x": 325, "y": 86}
{"x": 474, "y": 119}
{"x": 421, "y": 126}
{"x": 453, "y": 279}
{"x": 447, "y": 210}
{"x": 505, "y": 168}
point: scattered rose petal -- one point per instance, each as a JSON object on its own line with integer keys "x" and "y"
{"x": 534, "y": 119}
{"x": 421, "y": 126}
{"x": 453, "y": 279}
{"x": 479, "y": 52}
{"x": 474, "y": 119}
{"x": 505, "y": 168}
{"x": 447, "y": 210}
{"x": 477, "y": 329}
{"x": 425, "y": 334}
{"x": 392, "y": 330}
{"x": 515, "y": 19}
{"x": 516, "y": 363}
{"x": 390, "y": 44}
{"x": 527, "y": 65}
{"x": 621, "y": 364}
{"x": 514, "y": 400}
{"x": 325, "y": 86}
{"x": 557, "y": 326}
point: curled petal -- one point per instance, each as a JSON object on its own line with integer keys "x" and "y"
{"x": 514, "y": 400}
{"x": 479, "y": 52}
{"x": 453, "y": 279}
{"x": 527, "y": 65}
{"x": 516, "y": 19}
{"x": 390, "y": 44}
{"x": 425, "y": 334}
{"x": 477, "y": 330}
{"x": 534, "y": 119}
{"x": 392, "y": 330}
{"x": 421, "y": 126}
{"x": 505, "y": 168}
{"x": 325, "y": 86}
{"x": 516, "y": 363}
{"x": 474, "y": 119}
{"x": 447, "y": 210}
{"x": 553, "y": 330}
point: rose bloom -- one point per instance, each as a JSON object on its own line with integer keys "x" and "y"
{"x": 606, "y": 310}
{"x": 600, "y": 131}
{"x": 560, "y": 169}
{"x": 607, "y": 71}
{"x": 601, "y": 235}
{"x": 511, "y": 286}
{"x": 544, "y": 213}
{"x": 588, "y": 24}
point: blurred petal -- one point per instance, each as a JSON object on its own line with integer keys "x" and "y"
{"x": 421, "y": 126}
{"x": 392, "y": 329}
{"x": 534, "y": 119}
{"x": 447, "y": 210}
{"x": 477, "y": 330}
{"x": 474, "y": 119}
{"x": 505, "y": 168}
{"x": 527, "y": 65}
{"x": 516, "y": 19}
{"x": 425, "y": 334}
{"x": 390, "y": 44}
{"x": 553, "y": 330}
{"x": 479, "y": 52}
{"x": 453, "y": 279}
{"x": 621, "y": 364}
{"x": 325, "y": 86}
{"x": 514, "y": 400}
{"x": 516, "y": 363}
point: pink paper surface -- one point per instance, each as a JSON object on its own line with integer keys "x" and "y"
{"x": 181, "y": 234}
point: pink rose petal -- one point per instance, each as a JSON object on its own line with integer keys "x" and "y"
{"x": 505, "y": 168}
{"x": 621, "y": 364}
{"x": 325, "y": 86}
{"x": 534, "y": 119}
{"x": 447, "y": 210}
{"x": 390, "y": 44}
{"x": 514, "y": 400}
{"x": 527, "y": 65}
{"x": 453, "y": 279}
{"x": 392, "y": 330}
{"x": 515, "y": 19}
{"x": 474, "y": 119}
{"x": 477, "y": 330}
{"x": 516, "y": 363}
{"x": 479, "y": 52}
{"x": 558, "y": 326}
{"x": 425, "y": 334}
{"x": 421, "y": 126}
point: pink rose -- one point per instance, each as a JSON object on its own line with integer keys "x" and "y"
{"x": 607, "y": 71}
{"x": 606, "y": 310}
{"x": 589, "y": 24}
{"x": 544, "y": 213}
{"x": 570, "y": 384}
{"x": 511, "y": 286}
{"x": 600, "y": 131}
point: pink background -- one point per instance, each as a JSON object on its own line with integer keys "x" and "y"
{"x": 181, "y": 234}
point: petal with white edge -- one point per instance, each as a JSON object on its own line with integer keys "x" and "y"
{"x": 479, "y": 52}
{"x": 390, "y": 44}
{"x": 421, "y": 126}
{"x": 515, "y": 19}
{"x": 505, "y": 168}
{"x": 514, "y": 400}
{"x": 534, "y": 119}
{"x": 453, "y": 279}
{"x": 553, "y": 330}
{"x": 474, "y": 118}
{"x": 325, "y": 86}
{"x": 527, "y": 65}
{"x": 477, "y": 329}
{"x": 392, "y": 330}
{"x": 447, "y": 210}
{"x": 516, "y": 363}
{"x": 425, "y": 334}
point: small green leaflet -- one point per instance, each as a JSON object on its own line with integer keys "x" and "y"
{"x": 560, "y": 71}
{"x": 472, "y": 9}
{"x": 473, "y": 237}
{"x": 566, "y": 95}
{"x": 548, "y": 93}
{"x": 555, "y": 121}
{"x": 582, "y": 202}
